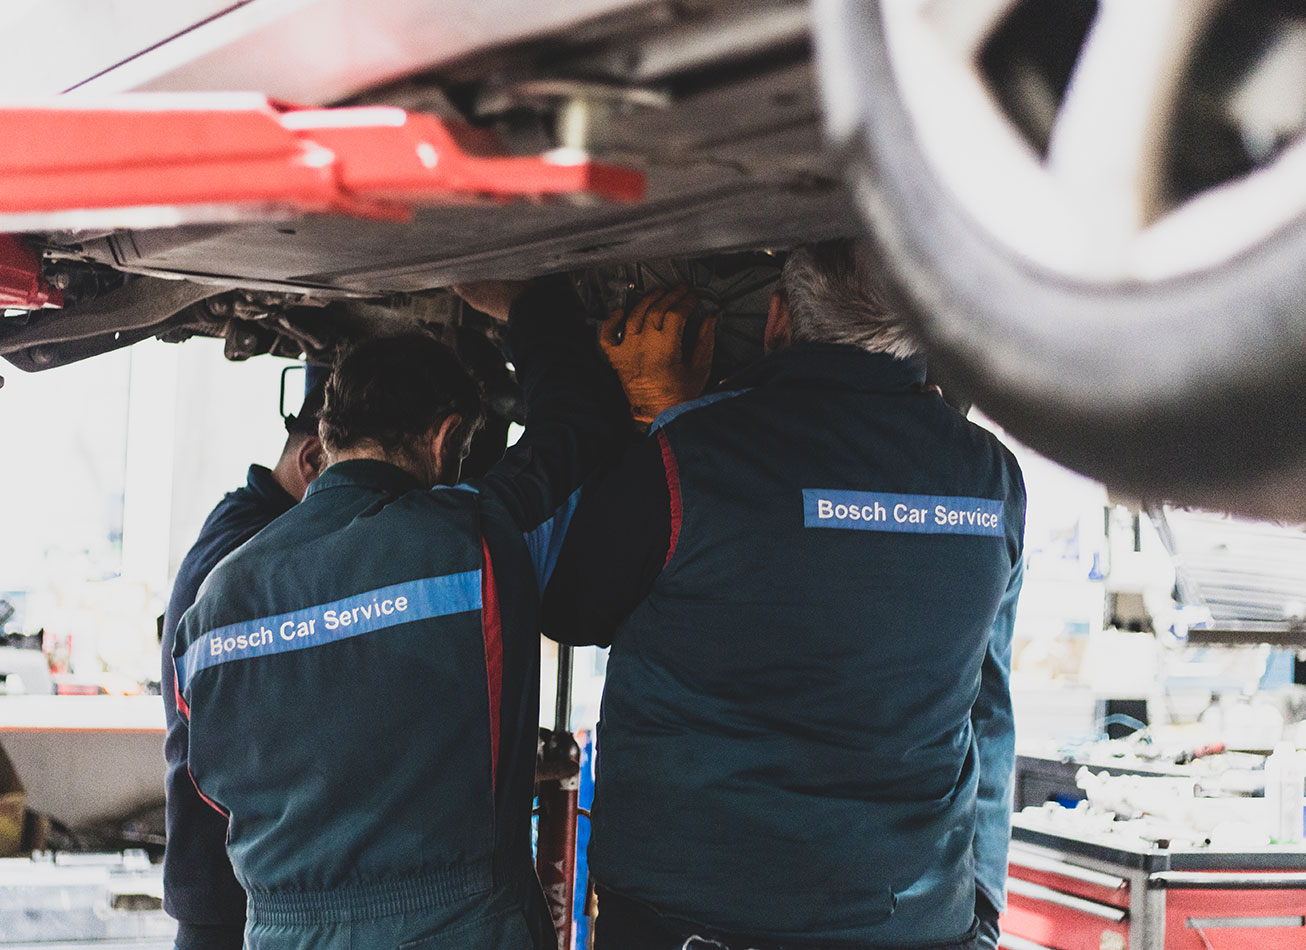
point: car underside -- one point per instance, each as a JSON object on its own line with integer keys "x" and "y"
{"x": 659, "y": 89}
{"x": 1091, "y": 210}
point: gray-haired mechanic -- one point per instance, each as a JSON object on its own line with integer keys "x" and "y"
{"x": 808, "y": 578}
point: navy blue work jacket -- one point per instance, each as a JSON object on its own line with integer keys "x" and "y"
{"x": 239, "y": 516}
{"x": 808, "y": 581}
{"x": 357, "y": 687}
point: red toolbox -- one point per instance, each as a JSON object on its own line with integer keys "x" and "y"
{"x": 1093, "y": 892}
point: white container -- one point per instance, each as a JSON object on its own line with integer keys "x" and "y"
{"x": 1285, "y": 781}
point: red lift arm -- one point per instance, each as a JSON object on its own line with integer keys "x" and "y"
{"x": 212, "y": 151}
{"x": 158, "y": 159}
{"x": 21, "y": 285}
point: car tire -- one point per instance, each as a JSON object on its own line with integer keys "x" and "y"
{"x": 1189, "y": 389}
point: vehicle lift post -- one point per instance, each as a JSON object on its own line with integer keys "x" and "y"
{"x": 558, "y": 788}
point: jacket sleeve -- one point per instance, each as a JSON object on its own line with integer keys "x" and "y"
{"x": 616, "y": 547}
{"x": 994, "y": 726}
{"x": 576, "y": 419}
{"x": 199, "y": 887}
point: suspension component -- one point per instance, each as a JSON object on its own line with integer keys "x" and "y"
{"x": 557, "y": 781}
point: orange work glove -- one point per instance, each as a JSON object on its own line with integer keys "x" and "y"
{"x": 648, "y": 354}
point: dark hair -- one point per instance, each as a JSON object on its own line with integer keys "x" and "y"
{"x": 305, "y": 421}
{"x": 393, "y": 390}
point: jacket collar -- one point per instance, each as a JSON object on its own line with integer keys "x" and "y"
{"x": 827, "y": 363}
{"x": 366, "y": 473}
{"x": 264, "y": 485}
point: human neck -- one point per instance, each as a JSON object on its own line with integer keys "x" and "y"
{"x": 374, "y": 452}
{"x": 287, "y": 476}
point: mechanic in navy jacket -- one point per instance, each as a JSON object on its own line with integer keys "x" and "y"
{"x": 266, "y": 494}
{"x": 241, "y": 514}
{"x": 808, "y": 580}
{"x": 358, "y": 684}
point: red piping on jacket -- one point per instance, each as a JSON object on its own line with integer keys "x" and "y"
{"x": 182, "y": 707}
{"x": 492, "y": 626}
{"x": 185, "y": 711}
{"x": 673, "y": 490}
{"x": 208, "y": 801}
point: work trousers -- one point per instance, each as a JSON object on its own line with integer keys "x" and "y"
{"x": 507, "y": 918}
{"x": 624, "y": 924}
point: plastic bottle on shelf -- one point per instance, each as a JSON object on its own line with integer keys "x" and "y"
{"x": 1285, "y": 780}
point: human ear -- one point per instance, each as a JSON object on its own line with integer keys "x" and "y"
{"x": 310, "y": 459}
{"x": 446, "y": 454}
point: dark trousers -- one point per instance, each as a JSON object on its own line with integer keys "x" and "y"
{"x": 624, "y": 924}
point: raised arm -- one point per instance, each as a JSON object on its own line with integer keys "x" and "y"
{"x": 616, "y": 547}
{"x": 576, "y": 418}
{"x": 622, "y": 530}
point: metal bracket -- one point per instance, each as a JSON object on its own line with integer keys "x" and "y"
{"x": 162, "y": 159}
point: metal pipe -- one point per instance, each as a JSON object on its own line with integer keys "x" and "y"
{"x": 1225, "y": 881}
{"x": 559, "y": 791}
{"x": 562, "y": 705}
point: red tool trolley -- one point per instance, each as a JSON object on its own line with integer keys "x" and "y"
{"x": 1095, "y": 891}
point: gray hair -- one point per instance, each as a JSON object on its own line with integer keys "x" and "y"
{"x": 835, "y": 295}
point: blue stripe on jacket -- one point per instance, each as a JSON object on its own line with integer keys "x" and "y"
{"x": 545, "y": 541}
{"x": 331, "y": 622}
